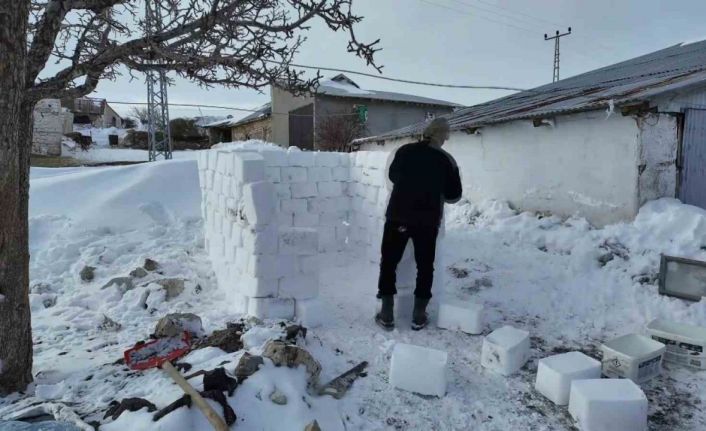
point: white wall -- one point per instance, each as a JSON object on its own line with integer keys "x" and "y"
{"x": 586, "y": 163}
{"x": 658, "y": 154}
{"x": 48, "y": 127}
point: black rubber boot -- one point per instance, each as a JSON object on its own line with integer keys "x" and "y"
{"x": 386, "y": 317}
{"x": 420, "y": 318}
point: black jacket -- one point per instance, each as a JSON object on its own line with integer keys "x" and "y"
{"x": 424, "y": 177}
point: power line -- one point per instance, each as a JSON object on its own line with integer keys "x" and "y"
{"x": 479, "y": 16}
{"x": 497, "y": 13}
{"x": 231, "y": 108}
{"x": 519, "y": 13}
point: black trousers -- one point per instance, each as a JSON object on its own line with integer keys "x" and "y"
{"x": 394, "y": 241}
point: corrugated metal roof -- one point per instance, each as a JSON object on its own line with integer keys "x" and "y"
{"x": 630, "y": 81}
{"x": 262, "y": 112}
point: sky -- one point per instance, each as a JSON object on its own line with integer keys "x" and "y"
{"x": 465, "y": 42}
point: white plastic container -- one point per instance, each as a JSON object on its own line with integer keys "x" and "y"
{"x": 635, "y": 357}
{"x": 686, "y": 344}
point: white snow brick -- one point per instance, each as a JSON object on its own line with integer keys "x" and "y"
{"x": 322, "y": 205}
{"x": 259, "y": 203}
{"x": 291, "y": 206}
{"x": 309, "y": 264}
{"x": 341, "y": 173}
{"x": 223, "y": 160}
{"x": 310, "y": 313}
{"x": 262, "y": 241}
{"x": 248, "y": 167}
{"x": 330, "y": 189}
{"x": 418, "y": 369}
{"x": 371, "y": 194}
{"x": 306, "y": 219}
{"x": 274, "y": 157}
{"x": 555, "y": 374}
{"x": 212, "y": 160}
{"x": 462, "y": 316}
{"x": 377, "y": 159}
{"x": 271, "y": 308}
{"x": 272, "y": 266}
{"x": 294, "y": 174}
{"x": 360, "y": 158}
{"x": 333, "y": 219}
{"x": 301, "y": 158}
{"x": 273, "y": 174}
{"x": 327, "y": 159}
{"x": 304, "y": 190}
{"x": 344, "y": 159}
{"x": 258, "y": 287}
{"x": 327, "y": 239}
{"x": 342, "y": 233}
{"x": 319, "y": 174}
{"x": 304, "y": 286}
{"x": 298, "y": 241}
{"x": 283, "y": 191}
{"x": 505, "y": 350}
{"x": 608, "y": 405}
{"x": 242, "y": 257}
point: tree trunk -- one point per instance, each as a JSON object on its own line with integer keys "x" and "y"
{"x": 15, "y": 144}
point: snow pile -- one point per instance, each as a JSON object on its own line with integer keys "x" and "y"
{"x": 99, "y": 135}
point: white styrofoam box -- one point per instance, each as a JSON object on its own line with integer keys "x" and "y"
{"x": 686, "y": 344}
{"x": 330, "y": 189}
{"x": 272, "y": 266}
{"x": 310, "y": 313}
{"x": 633, "y": 356}
{"x": 341, "y": 173}
{"x": 274, "y": 157}
{"x": 306, "y": 219}
{"x": 304, "y": 190}
{"x": 294, "y": 174}
{"x": 309, "y": 264}
{"x": 259, "y": 200}
{"x": 608, "y": 405}
{"x": 333, "y": 219}
{"x": 273, "y": 174}
{"x": 283, "y": 191}
{"x": 291, "y": 206}
{"x": 555, "y": 374}
{"x": 327, "y": 239}
{"x": 505, "y": 350}
{"x": 302, "y": 286}
{"x": 298, "y": 241}
{"x": 300, "y": 158}
{"x": 248, "y": 167}
{"x": 319, "y": 174}
{"x": 271, "y": 308}
{"x": 418, "y": 369}
{"x": 263, "y": 241}
{"x": 327, "y": 158}
{"x": 463, "y": 316}
{"x": 258, "y": 287}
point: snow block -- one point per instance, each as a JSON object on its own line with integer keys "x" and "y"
{"x": 299, "y": 286}
{"x": 608, "y": 405}
{"x": 271, "y": 266}
{"x": 258, "y": 287}
{"x": 311, "y": 313}
{"x": 341, "y": 173}
{"x": 555, "y": 374}
{"x": 309, "y": 264}
{"x": 273, "y": 174}
{"x": 330, "y": 189}
{"x": 306, "y": 219}
{"x": 333, "y": 219}
{"x": 320, "y": 173}
{"x": 262, "y": 241}
{"x": 283, "y": 191}
{"x": 274, "y": 157}
{"x": 418, "y": 369}
{"x": 505, "y": 350}
{"x": 294, "y": 174}
{"x": 248, "y": 167}
{"x": 304, "y": 190}
{"x": 259, "y": 203}
{"x": 298, "y": 241}
{"x": 300, "y": 158}
{"x": 271, "y": 308}
{"x": 462, "y": 316}
{"x": 327, "y": 159}
{"x": 291, "y": 206}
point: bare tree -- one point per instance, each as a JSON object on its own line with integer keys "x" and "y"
{"x": 140, "y": 113}
{"x": 232, "y": 43}
{"x": 335, "y": 130}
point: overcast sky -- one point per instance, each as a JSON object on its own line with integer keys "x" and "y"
{"x": 470, "y": 42}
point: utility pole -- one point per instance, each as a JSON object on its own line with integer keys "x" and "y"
{"x": 556, "y": 37}
{"x": 159, "y": 136}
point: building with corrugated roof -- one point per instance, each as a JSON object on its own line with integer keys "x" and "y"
{"x": 599, "y": 144}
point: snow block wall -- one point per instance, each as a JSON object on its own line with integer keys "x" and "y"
{"x": 48, "y": 127}
{"x": 273, "y": 216}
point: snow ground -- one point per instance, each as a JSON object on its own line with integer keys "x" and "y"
{"x": 540, "y": 274}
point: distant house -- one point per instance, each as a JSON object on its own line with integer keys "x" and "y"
{"x": 257, "y": 125}
{"x": 93, "y": 111}
{"x": 290, "y": 120}
{"x": 599, "y": 144}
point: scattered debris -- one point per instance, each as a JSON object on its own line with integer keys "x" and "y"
{"x": 181, "y": 402}
{"x": 228, "y": 412}
{"x": 41, "y": 288}
{"x": 613, "y": 248}
{"x": 314, "y": 426}
{"x": 172, "y": 286}
{"x": 124, "y": 284}
{"x": 294, "y": 331}
{"x": 69, "y": 420}
{"x": 49, "y": 301}
{"x": 247, "y": 366}
{"x": 458, "y": 272}
{"x": 138, "y": 272}
{"x": 109, "y": 324}
{"x": 292, "y": 356}
{"x": 150, "y": 265}
{"x": 218, "y": 380}
{"x": 173, "y": 325}
{"x": 227, "y": 339}
{"x": 129, "y": 404}
{"x": 278, "y": 397}
{"x": 338, "y": 387}
{"x": 87, "y": 273}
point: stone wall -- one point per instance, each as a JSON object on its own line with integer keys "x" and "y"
{"x": 48, "y": 123}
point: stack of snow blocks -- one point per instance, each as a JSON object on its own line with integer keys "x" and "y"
{"x": 608, "y": 405}
{"x": 418, "y": 369}
{"x": 555, "y": 374}
{"x": 505, "y": 350}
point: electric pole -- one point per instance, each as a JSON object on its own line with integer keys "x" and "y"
{"x": 556, "y": 37}
{"x": 159, "y": 137}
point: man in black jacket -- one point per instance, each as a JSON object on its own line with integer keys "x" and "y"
{"x": 424, "y": 177}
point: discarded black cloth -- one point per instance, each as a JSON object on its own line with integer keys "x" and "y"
{"x": 218, "y": 380}
{"x": 228, "y": 412}
{"x": 181, "y": 402}
{"x": 129, "y": 404}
